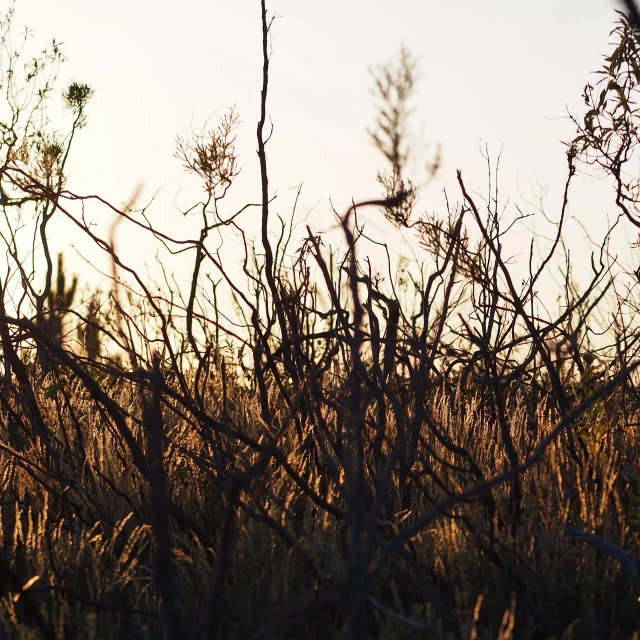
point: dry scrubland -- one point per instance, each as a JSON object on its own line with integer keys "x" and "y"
{"x": 423, "y": 452}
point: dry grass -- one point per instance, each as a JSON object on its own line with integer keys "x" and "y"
{"x": 92, "y": 571}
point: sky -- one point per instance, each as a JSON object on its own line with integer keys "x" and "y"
{"x": 499, "y": 75}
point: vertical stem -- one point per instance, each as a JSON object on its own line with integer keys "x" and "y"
{"x": 264, "y": 178}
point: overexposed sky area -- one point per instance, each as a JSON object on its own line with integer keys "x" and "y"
{"x": 500, "y": 73}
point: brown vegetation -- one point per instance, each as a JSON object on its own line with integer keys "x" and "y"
{"x": 430, "y": 455}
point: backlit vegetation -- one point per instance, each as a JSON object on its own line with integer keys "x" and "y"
{"x": 428, "y": 451}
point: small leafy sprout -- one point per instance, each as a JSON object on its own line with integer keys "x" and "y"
{"x": 405, "y": 194}
{"x": 212, "y": 155}
{"x": 394, "y": 84}
{"x": 76, "y": 97}
{"x": 50, "y": 152}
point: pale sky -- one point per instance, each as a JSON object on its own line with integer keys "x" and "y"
{"x": 500, "y": 73}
